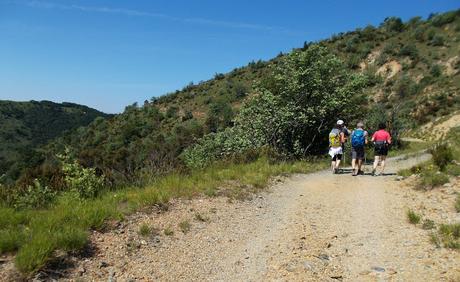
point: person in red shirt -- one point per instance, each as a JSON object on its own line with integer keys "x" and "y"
{"x": 382, "y": 140}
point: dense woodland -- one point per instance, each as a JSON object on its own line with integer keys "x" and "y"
{"x": 405, "y": 73}
{"x": 25, "y": 126}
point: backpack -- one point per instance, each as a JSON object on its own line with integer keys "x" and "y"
{"x": 334, "y": 138}
{"x": 357, "y": 138}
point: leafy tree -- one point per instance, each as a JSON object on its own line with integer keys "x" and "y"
{"x": 393, "y": 24}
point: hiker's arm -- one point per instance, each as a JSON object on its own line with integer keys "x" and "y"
{"x": 342, "y": 137}
{"x": 365, "y": 137}
{"x": 389, "y": 139}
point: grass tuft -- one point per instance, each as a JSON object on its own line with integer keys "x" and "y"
{"x": 185, "y": 226}
{"x": 168, "y": 231}
{"x": 144, "y": 230}
{"x": 413, "y": 217}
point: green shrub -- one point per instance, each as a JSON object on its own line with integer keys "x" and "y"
{"x": 442, "y": 19}
{"x": 413, "y": 217}
{"x": 36, "y": 196}
{"x": 442, "y": 155}
{"x": 83, "y": 181}
{"x": 436, "y": 70}
{"x": 453, "y": 169}
{"x": 437, "y": 40}
{"x": 409, "y": 50}
{"x": 431, "y": 178}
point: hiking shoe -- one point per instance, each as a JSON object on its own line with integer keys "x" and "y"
{"x": 373, "y": 172}
{"x": 360, "y": 172}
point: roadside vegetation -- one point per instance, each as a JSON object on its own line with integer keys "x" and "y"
{"x": 444, "y": 165}
{"x": 35, "y": 235}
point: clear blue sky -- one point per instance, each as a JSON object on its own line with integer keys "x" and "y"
{"x": 108, "y": 54}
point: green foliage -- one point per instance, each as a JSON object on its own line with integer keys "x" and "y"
{"x": 442, "y": 19}
{"x": 26, "y": 126}
{"x": 83, "y": 181}
{"x": 35, "y": 196}
{"x": 185, "y": 226}
{"x": 430, "y": 178}
{"x": 437, "y": 40}
{"x": 144, "y": 230}
{"x": 409, "y": 50}
{"x": 393, "y": 24}
{"x": 436, "y": 70}
{"x": 298, "y": 104}
{"x": 442, "y": 155}
{"x": 413, "y": 217}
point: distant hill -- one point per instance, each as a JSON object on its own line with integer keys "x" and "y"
{"x": 412, "y": 68}
{"x": 27, "y": 125}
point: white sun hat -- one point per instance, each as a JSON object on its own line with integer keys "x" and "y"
{"x": 340, "y": 122}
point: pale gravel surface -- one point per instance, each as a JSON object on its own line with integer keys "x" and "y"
{"x": 315, "y": 227}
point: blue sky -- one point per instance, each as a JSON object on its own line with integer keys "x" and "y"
{"x": 109, "y": 54}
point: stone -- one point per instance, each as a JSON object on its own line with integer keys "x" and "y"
{"x": 103, "y": 264}
{"x": 378, "y": 269}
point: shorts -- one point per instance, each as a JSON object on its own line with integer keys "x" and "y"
{"x": 381, "y": 149}
{"x": 357, "y": 153}
{"x": 337, "y": 157}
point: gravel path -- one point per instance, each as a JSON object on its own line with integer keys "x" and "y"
{"x": 316, "y": 227}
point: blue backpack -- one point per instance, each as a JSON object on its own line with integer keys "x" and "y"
{"x": 358, "y": 139}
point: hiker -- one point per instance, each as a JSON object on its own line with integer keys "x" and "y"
{"x": 382, "y": 141}
{"x": 336, "y": 139}
{"x": 358, "y": 141}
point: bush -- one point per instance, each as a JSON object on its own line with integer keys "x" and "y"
{"x": 297, "y": 105}
{"x": 442, "y": 19}
{"x": 83, "y": 181}
{"x": 436, "y": 70}
{"x": 430, "y": 178}
{"x": 438, "y": 40}
{"x": 442, "y": 155}
{"x": 409, "y": 50}
{"x": 393, "y": 24}
{"x": 35, "y": 196}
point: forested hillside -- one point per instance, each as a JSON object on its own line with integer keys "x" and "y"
{"x": 27, "y": 125}
{"x": 404, "y": 72}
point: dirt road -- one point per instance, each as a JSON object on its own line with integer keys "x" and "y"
{"x": 316, "y": 227}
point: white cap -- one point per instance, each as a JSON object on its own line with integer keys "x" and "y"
{"x": 340, "y": 122}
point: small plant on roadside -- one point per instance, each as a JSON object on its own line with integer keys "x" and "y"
{"x": 413, "y": 217}
{"x": 200, "y": 217}
{"x": 450, "y": 235}
{"x": 430, "y": 178}
{"x": 144, "y": 230}
{"x": 168, "y": 231}
{"x": 428, "y": 224}
{"x": 434, "y": 238}
{"x": 185, "y": 226}
{"x": 457, "y": 203}
{"x": 442, "y": 155}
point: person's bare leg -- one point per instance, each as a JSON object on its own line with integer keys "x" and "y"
{"x": 376, "y": 163}
{"x": 382, "y": 162}
{"x": 360, "y": 164}
{"x": 353, "y": 164}
{"x": 333, "y": 166}
{"x": 337, "y": 164}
